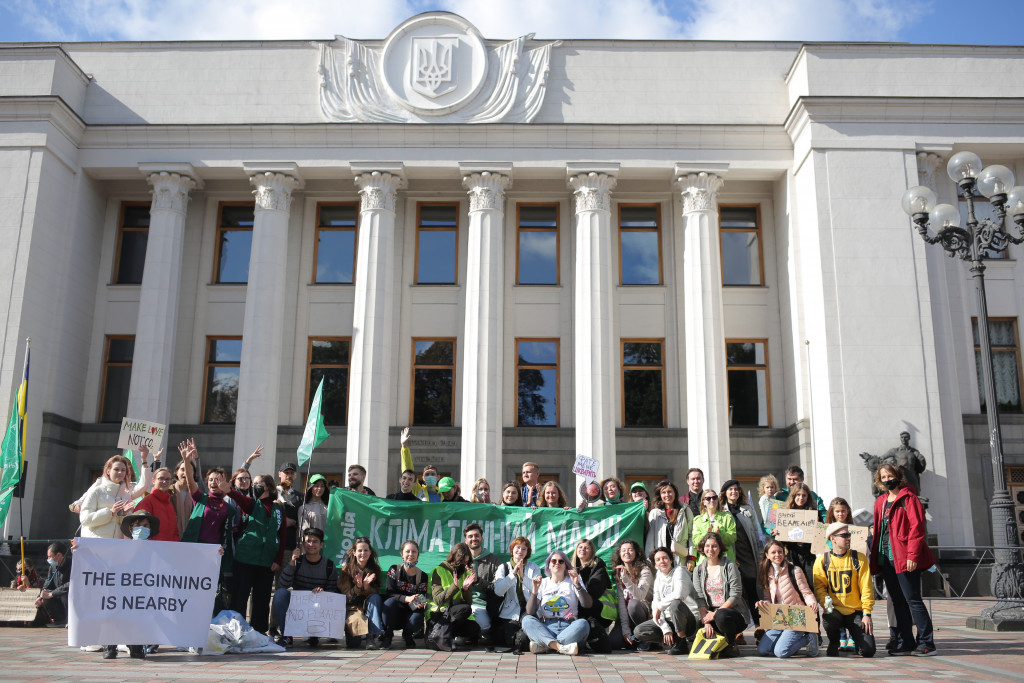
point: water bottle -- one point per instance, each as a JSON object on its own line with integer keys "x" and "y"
{"x": 828, "y": 605}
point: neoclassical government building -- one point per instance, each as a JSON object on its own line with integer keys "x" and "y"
{"x": 659, "y": 254}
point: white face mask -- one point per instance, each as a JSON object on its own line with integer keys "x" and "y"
{"x": 140, "y": 533}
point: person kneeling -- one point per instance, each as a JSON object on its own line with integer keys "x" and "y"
{"x": 854, "y": 599}
{"x": 450, "y": 610}
{"x": 550, "y": 620}
{"x": 784, "y": 584}
{"x": 308, "y": 570}
{"x": 673, "y": 622}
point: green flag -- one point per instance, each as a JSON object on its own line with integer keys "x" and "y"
{"x": 10, "y": 463}
{"x": 314, "y": 433}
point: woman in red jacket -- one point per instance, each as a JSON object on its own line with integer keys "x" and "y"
{"x": 899, "y": 553}
{"x": 159, "y": 504}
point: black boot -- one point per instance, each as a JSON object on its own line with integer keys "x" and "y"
{"x": 110, "y": 652}
{"x": 137, "y": 651}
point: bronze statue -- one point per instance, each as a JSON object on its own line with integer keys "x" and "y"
{"x": 907, "y": 458}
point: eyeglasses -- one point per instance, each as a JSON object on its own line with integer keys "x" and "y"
{"x": 557, "y": 561}
{"x": 846, "y": 535}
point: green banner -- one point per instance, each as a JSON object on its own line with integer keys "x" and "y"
{"x": 438, "y": 526}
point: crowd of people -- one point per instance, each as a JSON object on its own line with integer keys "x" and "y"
{"x": 710, "y": 562}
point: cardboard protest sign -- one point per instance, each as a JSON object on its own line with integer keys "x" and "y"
{"x": 773, "y": 510}
{"x": 140, "y": 592}
{"x": 585, "y": 467}
{"x": 136, "y": 433}
{"x": 858, "y": 539}
{"x": 320, "y": 615}
{"x": 16, "y": 605}
{"x": 796, "y": 526}
{"x": 788, "y": 618}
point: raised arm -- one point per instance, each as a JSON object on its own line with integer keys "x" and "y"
{"x": 187, "y": 449}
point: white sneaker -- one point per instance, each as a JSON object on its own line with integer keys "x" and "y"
{"x": 568, "y": 649}
{"x": 538, "y": 648}
{"x": 91, "y": 648}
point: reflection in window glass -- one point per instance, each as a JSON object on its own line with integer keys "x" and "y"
{"x": 741, "y": 245}
{"x": 222, "y": 370}
{"x": 329, "y": 361}
{"x": 133, "y": 234}
{"x": 433, "y": 382}
{"x": 639, "y": 245}
{"x": 336, "y": 244}
{"x": 538, "y": 245}
{"x": 747, "y": 369}
{"x": 642, "y": 384}
{"x": 234, "y": 243}
{"x": 436, "y": 244}
{"x": 1002, "y": 333}
{"x": 537, "y": 379}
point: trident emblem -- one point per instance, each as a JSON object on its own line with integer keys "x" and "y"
{"x": 433, "y": 71}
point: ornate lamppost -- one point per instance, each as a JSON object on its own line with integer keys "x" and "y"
{"x": 971, "y": 244}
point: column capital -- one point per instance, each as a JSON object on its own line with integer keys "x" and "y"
{"x": 927, "y": 163}
{"x": 699, "y": 190}
{"x": 486, "y": 190}
{"x": 170, "y": 191}
{"x": 593, "y": 191}
{"x": 378, "y": 190}
{"x": 274, "y": 190}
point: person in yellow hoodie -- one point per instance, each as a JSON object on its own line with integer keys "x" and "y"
{"x": 844, "y": 575}
{"x": 426, "y": 491}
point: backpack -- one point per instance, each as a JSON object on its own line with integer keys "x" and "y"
{"x": 856, "y": 560}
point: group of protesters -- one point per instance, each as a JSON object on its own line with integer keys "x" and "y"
{"x": 709, "y": 564}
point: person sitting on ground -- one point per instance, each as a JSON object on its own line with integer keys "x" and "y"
{"x": 597, "y": 581}
{"x": 552, "y": 620}
{"x": 844, "y": 575}
{"x": 514, "y": 582}
{"x": 782, "y": 583}
{"x": 511, "y": 494}
{"x": 307, "y": 570}
{"x": 359, "y": 579}
{"x": 719, "y": 590}
{"x": 405, "y": 597}
{"x": 671, "y": 525}
{"x": 481, "y": 491}
{"x": 140, "y": 525}
{"x": 450, "y": 491}
{"x": 313, "y": 513}
{"x": 673, "y": 623}
{"x": 450, "y": 609}
{"x": 633, "y": 582}
{"x": 406, "y": 484}
{"x": 485, "y": 565}
{"x": 552, "y": 496}
{"x": 26, "y": 575}
{"x": 159, "y": 503}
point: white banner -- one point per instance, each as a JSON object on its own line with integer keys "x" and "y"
{"x": 315, "y": 614}
{"x": 135, "y": 433}
{"x": 142, "y": 592}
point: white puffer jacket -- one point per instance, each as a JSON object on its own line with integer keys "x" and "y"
{"x": 98, "y": 521}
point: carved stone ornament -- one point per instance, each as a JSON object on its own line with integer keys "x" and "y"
{"x": 927, "y": 162}
{"x": 486, "y": 190}
{"x": 378, "y": 190}
{"x": 699, "y": 191}
{"x": 170, "y": 191}
{"x": 434, "y": 68}
{"x": 593, "y": 191}
{"x": 273, "y": 191}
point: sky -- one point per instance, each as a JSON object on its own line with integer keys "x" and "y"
{"x": 996, "y": 22}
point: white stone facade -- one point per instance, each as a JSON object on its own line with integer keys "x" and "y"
{"x": 865, "y": 330}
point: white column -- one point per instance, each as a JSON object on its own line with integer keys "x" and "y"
{"x": 707, "y": 393}
{"x": 483, "y": 340}
{"x": 596, "y": 353}
{"x": 153, "y": 365}
{"x": 263, "y": 330}
{"x": 370, "y": 365}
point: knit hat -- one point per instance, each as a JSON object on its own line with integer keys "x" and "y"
{"x": 835, "y": 527}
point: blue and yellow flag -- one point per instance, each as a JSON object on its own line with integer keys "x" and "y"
{"x": 12, "y": 449}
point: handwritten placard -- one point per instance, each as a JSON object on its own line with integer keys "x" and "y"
{"x": 137, "y": 433}
{"x": 585, "y": 467}
{"x": 772, "y": 513}
{"x": 796, "y": 526}
{"x": 16, "y": 605}
{"x": 320, "y": 615}
{"x": 858, "y": 539}
{"x": 787, "y": 618}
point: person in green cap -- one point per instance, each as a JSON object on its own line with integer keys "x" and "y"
{"x": 638, "y": 492}
{"x": 450, "y": 491}
{"x": 313, "y": 514}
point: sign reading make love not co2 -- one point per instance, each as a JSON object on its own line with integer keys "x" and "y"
{"x": 137, "y": 433}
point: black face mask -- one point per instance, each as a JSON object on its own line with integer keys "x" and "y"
{"x": 890, "y": 484}
{"x": 258, "y": 491}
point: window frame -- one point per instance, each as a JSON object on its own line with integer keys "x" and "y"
{"x": 558, "y": 242}
{"x": 107, "y": 364}
{"x": 217, "y": 242}
{"x": 994, "y": 348}
{"x": 310, "y": 366}
{"x": 334, "y": 228}
{"x": 767, "y": 379}
{"x": 759, "y": 231}
{"x": 642, "y": 368}
{"x": 414, "y": 367}
{"x": 656, "y": 230}
{"x": 530, "y": 366}
{"x": 208, "y": 365}
{"x": 420, "y": 228}
{"x": 121, "y": 229}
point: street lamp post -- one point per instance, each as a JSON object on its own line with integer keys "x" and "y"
{"x": 972, "y": 244}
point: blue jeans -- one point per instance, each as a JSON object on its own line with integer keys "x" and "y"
{"x": 783, "y": 644}
{"x": 397, "y": 615}
{"x": 559, "y": 630}
{"x": 282, "y": 598}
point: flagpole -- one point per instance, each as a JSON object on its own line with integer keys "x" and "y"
{"x": 22, "y": 426}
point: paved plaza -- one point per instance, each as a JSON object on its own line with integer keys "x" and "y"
{"x": 42, "y": 655}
